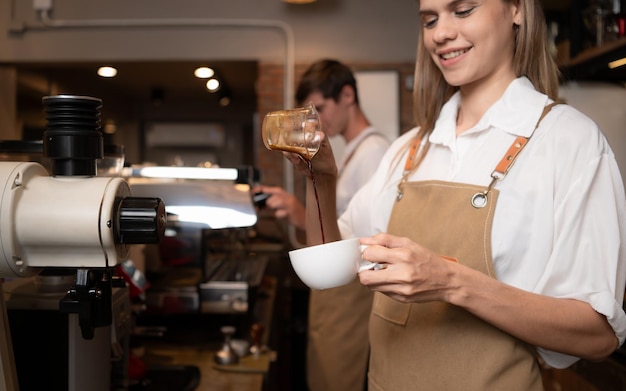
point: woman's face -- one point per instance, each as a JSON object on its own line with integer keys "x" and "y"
{"x": 470, "y": 41}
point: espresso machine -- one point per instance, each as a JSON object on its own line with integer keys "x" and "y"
{"x": 205, "y": 265}
{"x": 67, "y": 228}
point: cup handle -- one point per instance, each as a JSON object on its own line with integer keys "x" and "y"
{"x": 367, "y": 265}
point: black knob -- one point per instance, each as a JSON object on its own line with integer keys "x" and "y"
{"x": 141, "y": 220}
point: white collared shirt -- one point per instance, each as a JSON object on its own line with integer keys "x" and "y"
{"x": 360, "y": 160}
{"x": 560, "y": 222}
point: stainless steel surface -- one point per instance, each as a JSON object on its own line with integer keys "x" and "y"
{"x": 212, "y": 204}
{"x": 226, "y": 355}
{"x": 205, "y": 265}
{"x": 232, "y": 285}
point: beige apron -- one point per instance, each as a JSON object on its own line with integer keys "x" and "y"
{"x": 338, "y": 346}
{"x": 438, "y": 346}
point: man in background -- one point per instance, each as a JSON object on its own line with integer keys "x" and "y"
{"x": 337, "y": 341}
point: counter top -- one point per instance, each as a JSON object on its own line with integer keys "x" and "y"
{"x": 211, "y": 377}
{"x": 193, "y": 344}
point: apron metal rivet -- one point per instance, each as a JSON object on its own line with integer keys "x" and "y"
{"x": 479, "y": 200}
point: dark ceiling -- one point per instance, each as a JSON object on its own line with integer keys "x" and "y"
{"x": 171, "y": 81}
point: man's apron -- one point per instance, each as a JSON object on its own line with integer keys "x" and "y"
{"x": 438, "y": 346}
{"x": 338, "y": 345}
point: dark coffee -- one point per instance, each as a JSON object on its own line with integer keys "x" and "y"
{"x": 317, "y": 199}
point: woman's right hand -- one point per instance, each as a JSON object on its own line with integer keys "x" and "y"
{"x": 323, "y": 162}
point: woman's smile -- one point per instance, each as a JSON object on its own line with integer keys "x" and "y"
{"x": 453, "y": 54}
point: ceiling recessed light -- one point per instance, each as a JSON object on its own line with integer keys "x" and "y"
{"x": 224, "y": 101}
{"x": 107, "y": 71}
{"x": 204, "y": 72}
{"x": 213, "y": 85}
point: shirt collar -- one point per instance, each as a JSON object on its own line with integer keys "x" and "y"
{"x": 516, "y": 112}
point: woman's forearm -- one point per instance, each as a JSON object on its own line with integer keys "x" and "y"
{"x": 565, "y": 325}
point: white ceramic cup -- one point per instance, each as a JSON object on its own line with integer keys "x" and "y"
{"x": 331, "y": 264}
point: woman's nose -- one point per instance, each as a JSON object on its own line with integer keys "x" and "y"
{"x": 445, "y": 30}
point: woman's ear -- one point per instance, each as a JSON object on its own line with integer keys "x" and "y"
{"x": 517, "y": 14}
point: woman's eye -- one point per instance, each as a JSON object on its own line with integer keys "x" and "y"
{"x": 464, "y": 12}
{"x": 429, "y": 22}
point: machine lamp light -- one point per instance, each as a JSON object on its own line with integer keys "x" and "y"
{"x": 182, "y": 172}
{"x": 214, "y": 216}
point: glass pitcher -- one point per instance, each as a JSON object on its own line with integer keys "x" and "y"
{"x": 293, "y": 130}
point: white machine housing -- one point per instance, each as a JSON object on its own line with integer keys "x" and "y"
{"x": 49, "y": 221}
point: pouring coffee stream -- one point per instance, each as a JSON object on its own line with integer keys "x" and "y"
{"x": 296, "y": 131}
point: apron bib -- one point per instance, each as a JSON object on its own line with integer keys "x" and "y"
{"x": 438, "y": 346}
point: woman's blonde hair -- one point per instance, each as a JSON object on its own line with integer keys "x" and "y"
{"x": 531, "y": 58}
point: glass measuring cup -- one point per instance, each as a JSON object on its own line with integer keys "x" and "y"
{"x": 293, "y": 130}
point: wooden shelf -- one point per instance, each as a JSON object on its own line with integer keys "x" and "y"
{"x": 594, "y": 53}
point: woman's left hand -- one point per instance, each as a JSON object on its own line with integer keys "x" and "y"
{"x": 414, "y": 274}
{"x": 411, "y": 274}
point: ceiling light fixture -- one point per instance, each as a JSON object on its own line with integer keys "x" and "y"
{"x": 223, "y": 97}
{"x": 224, "y": 101}
{"x": 203, "y": 72}
{"x": 299, "y": 1}
{"x": 107, "y": 71}
{"x": 213, "y": 85}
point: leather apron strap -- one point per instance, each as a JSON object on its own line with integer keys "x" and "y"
{"x": 356, "y": 147}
